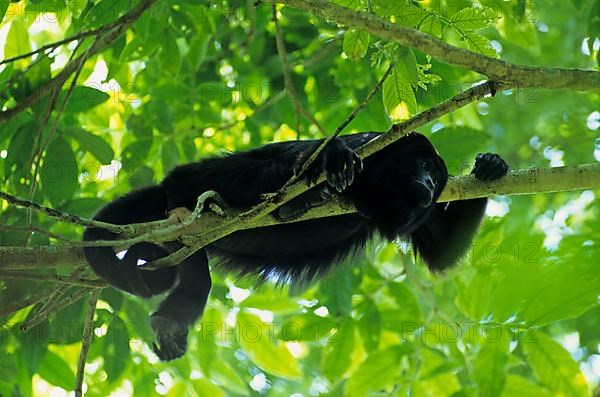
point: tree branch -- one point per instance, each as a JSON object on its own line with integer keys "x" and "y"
{"x": 495, "y": 69}
{"x": 86, "y": 340}
{"x": 517, "y": 182}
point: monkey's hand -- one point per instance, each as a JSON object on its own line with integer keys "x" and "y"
{"x": 171, "y": 338}
{"x": 489, "y": 167}
{"x": 339, "y": 162}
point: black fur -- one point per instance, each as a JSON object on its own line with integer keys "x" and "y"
{"x": 395, "y": 195}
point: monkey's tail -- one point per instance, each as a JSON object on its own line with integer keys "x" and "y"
{"x": 142, "y": 205}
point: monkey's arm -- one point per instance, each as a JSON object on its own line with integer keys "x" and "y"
{"x": 448, "y": 232}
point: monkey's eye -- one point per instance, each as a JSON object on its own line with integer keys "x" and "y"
{"x": 425, "y": 165}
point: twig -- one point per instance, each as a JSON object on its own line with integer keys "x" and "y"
{"x": 35, "y": 229}
{"x": 397, "y": 131}
{"x": 63, "y": 216}
{"x": 287, "y": 77}
{"x": 72, "y": 298}
{"x": 71, "y": 280}
{"x": 366, "y": 101}
{"x": 341, "y": 127}
{"x": 67, "y": 40}
{"x": 86, "y": 340}
{"x": 32, "y": 300}
{"x": 39, "y": 257}
{"x": 37, "y": 157}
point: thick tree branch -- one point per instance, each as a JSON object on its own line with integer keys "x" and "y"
{"x": 517, "y": 182}
{"x": 495, "y": 69}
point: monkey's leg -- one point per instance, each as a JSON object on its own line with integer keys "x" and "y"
{"x": 182, "y": 307}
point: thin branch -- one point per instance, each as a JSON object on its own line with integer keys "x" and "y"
{"x": 66, "y": 40}
{"x": 32, "y": 300}
{"x": 60, "y": 215}
{"x": 71, "y": 280}
{"x": 287, "y": 77}
{"x": 69, "y": 300}
{"x": 99, "y": 45}
{"x": 38, "y": 151}
{"x": 36, "y": 229}
{"x": 397, "y": 131}
{"x": 86, "y": 340}
{"x": 366, "y": 101}
{"x": 495, "y": 69}
{"x": 341, "y": 127}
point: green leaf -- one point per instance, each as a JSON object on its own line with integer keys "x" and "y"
{"x": 564, "y": 296}
{"x": 473, "y": 300}
{"x": 3, "y": 7}
{"x": 472, "y": 18}
{"x": 83, "y": 98}
{"x": 406, "y": 300}
{"x": 377, "y": 372}
{"x": 398, "y": 96}
{"x": 94, "y": 144}
{"x": 338, "y": 352}
{"x": 554, "y": 367}
{"x": 169, "y": 153}
{"x": 103, "y": 12}
{"x": 489, "y": 367}
{"x": 205, "y": 388}
{"x": 86, "y": 206}
{"x": 458, "y": 146}
{"x": 223, "y": 373}
{"x": 405, "y": 65}
{"x": 18, "y": 150}
{"x": 135, "y": 153}
{"x": 356, "y": 43}
{"x": 369, "y": 324}
{"x": 517, "y": 386}
{"x": 480, "y": 44}
{"x": 272, "y": 301}
{"x": 257, "y": 344}
{"x": 170, "y": 56}
{"x": 17, "y": 40}
{"x": 432, "y": 25}
{"x": 59, "y": 172}
{"x": 56, "y": 371}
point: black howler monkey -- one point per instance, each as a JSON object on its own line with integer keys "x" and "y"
{"x": 395, "y": 195}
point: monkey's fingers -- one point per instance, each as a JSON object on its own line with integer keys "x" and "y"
{"x": 489, "y": 167}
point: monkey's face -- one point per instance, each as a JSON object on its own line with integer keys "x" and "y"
{"x": 422, "y": 169}
{"x": 428, "y": 181}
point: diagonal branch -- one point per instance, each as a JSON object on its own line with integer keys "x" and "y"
{"x": 495, "y": 69}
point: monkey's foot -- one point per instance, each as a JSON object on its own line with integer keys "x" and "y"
{"x": 178, "y": 215}
{"x": 171, "y": 337}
